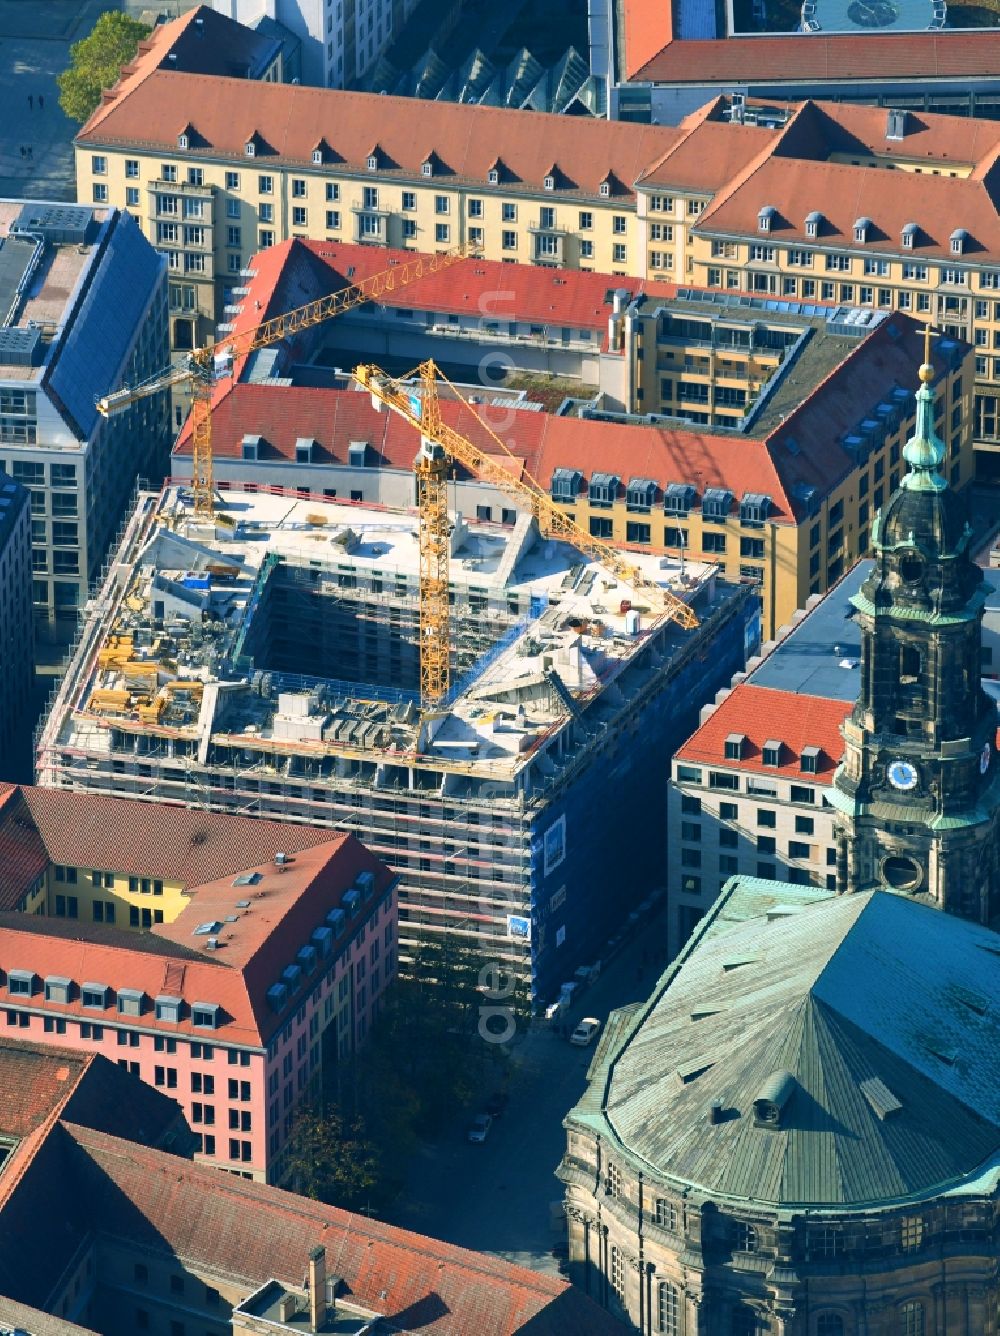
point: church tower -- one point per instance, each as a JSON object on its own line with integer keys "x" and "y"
{"x": 919, "y": 785}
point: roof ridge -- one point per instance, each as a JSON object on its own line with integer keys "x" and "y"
{"x": 768, "y": 151}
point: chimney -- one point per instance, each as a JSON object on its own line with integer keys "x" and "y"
{"x": 317, "y": 1287}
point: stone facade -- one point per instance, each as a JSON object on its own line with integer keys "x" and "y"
{"x": 917, "y": 791}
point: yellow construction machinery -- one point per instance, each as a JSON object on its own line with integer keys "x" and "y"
{"x": 215, "y": 361}
{"x": 441, "y": 444}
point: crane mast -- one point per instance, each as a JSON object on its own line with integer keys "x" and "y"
{"x": 440, "y": 444}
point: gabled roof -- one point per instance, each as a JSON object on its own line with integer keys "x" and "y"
{"x": 257, "y": 929}
{"x": 145, "y": 110}
{"x": 880, "y": 1012}
{"x": 762, "y": 715}
{"x": 173, "y": 843}
{"x": 333, "y": 418}
{"x": 251, "y": 1233}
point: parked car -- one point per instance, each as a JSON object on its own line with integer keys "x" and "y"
{"x": 496, "y": 1103}
{"x": 479, "y": 1128}
{"x": 586, "y": 1031}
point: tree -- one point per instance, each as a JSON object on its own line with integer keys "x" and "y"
{"x": 331, "y": 1159}
{"x": 96, "y": 61}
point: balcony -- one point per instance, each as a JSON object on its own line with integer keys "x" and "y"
{"x": 371, "y": 226}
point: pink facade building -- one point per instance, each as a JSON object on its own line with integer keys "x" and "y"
{"x": 223, "y": 960}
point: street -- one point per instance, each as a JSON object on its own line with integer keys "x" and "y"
{"x": 497, "y": 1197}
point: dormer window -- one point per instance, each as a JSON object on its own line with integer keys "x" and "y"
{"x": 754, "y": 508}
{"x": 715, "y": 503}
{"x": 427, "y": 168}
{"x": 678, "y": 498}
{"x": 733, "y": 747}
{"x": 373, "y": 162}
{"x": 205, "y": 1015}
{"x": 317, "y": 157}
{"x": 765, "y": 218}
{"x": 814, "y": 222}
{"x": 603, "y": 490}
{"x": 167, "y": 1008}
{"x": 640, "y": 494}
{"x": 493, "y": 176}
{"x": 957, "y": 240}
{"x": 130, "y": 1001}
{"x": 862, "y": 227}
{"x": 809, "y": 760}
{"x": 566, "y": 485}
{"x": 549, "y": 183}
{"x": 20, "y": 983}
{"x": 250, "y": 148}
{"x": 605, "y": 189}
{"x": 908, "y": 235}
{"x": 183, "y": 141}
{"x": 772, "y": 753}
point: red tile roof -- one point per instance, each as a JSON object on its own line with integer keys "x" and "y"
{"x": 708, "y": 157}
{"x": 177, "y": 843}
{"x": 150, "y": 108}
{"x": 252, "y": 1233}
{"x": 486, "y": 288}
{"x": 794, "y": 57}
{"x": 761, "y": 715}
{"x": 171, "y": 958}
{"x": 844, "y": 193}
{"x": 334, "y": 418}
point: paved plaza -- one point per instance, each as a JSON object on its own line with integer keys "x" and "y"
{"x": 35, "y": 37}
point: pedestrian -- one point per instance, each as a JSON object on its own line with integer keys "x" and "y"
{"x": 31, "y": 102}
{"x": 41, "y": 102}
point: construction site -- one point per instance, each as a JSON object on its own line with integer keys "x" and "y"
{"x": 266, "y": 661}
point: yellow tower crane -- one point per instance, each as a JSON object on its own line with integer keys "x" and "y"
{"x": 441, "y": 444}
{"x": 206, "y": 366}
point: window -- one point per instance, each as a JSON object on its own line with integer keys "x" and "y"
{"x": 767, "y": 818}
{"x": 442, "y": 232}
{"x": 232, "y": 180}
{"x": 637, "y": 533}
{"x": 618, "y": 253}
{"x": 508, "y": 213}
{"x": 332, "y": 220}
{"x": 442, "y": 204}
{"x": 99, "y": 165}
{"x": 665, "y": 1214}
{"x": 713, "y": 542}
{"x": 911, "y": 1232}
{"x": 299, "y": 189}
{"x": 100, "y": 193}
{"x": 168, "y": 172}
{"x": 745, "y": 1237}
{"x": 825, "y": 1243}
{"x": 409, "y": 228}
{"x": 617, "y": 1276}
{"x": 300, "y": 216}
{"x": 475, "y": 207}
{"x": 766, "y": 844}
{"x": 829, "y": 1324}
{"x": 600, "y": 527}
{"x": 614, "y": 1180}
{"x": 668, "y": 1304}
{"x": 196, "y": 177}
{"x": 265, "y": 185}
{"x": 690, "y": 805}
{"x": 586, "y": 221}
{"x": 508, "y": 240}
{"x": 797, "y": 849}
{"x": 911, "y": 1318}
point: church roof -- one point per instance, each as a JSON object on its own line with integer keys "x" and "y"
{"x": 871, "y": 1015}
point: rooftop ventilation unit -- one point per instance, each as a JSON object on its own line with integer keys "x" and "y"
{"x": 59, "y": 224}
{"x": 21, "y": 347}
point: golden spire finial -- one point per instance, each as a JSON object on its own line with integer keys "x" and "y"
{"x": 926, "y": 372}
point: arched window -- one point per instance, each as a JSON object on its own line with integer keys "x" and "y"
{"x": 911, "y": 1318}
{"x": 669, "y": 1308}
{"x": 829, "y": 1324}
{"x": 618, "y": 1273}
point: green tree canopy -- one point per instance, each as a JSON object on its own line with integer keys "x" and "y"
{"x": 331, "y": 1158}
{"x": 95, "y": 62}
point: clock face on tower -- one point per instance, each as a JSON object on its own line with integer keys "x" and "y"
{"x": 903, "y": 775}
{"x": 984, "y": 759}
